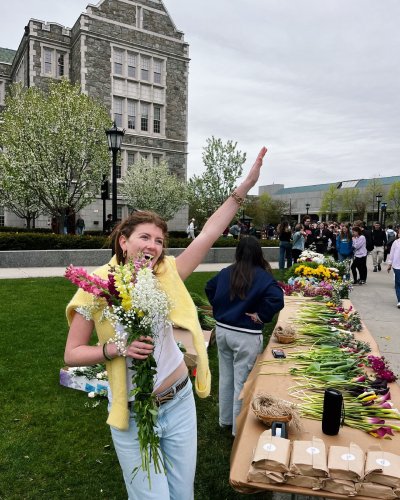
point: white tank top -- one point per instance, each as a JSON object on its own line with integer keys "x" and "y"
{"x": 168, "y": 357}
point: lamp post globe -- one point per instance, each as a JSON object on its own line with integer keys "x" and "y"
{"x": 114, "y": 138}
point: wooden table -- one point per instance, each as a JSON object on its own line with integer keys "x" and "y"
{"x": 249, "y": 427}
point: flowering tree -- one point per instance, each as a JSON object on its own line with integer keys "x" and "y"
{"x": 224, "y": 165}
{"x": 21, "y": 202}
{"x": 54, "y": 148}
{"x": 154, "y": 187}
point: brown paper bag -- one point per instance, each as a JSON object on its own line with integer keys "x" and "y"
{"x": 375, "y": 491}
{"x": 382, "y": 467}
{"x": 272, "y": 453}
{"x": 340, "y": 486}
{"x": 313, "y": 483}
{"x": 346, "y": 462}
{"x": 309, "y": 458}
{"x": 264, "y": 476}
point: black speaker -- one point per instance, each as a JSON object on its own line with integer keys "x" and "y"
{"x": 333, "y": 414}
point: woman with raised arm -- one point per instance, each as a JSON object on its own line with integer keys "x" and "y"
{"x": 144, "y": 233}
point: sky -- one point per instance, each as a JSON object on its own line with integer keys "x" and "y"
{"x": 315, "y": 81}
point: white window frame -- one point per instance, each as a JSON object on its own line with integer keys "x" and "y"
{"x": 130, "y": 88}
{"x": 54, "y": 53}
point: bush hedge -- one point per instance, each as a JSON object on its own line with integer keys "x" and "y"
{"x": 50, "y": 241}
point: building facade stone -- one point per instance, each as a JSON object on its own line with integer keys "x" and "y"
{"x": 129, "y": 56}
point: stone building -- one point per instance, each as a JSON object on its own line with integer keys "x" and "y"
{"x": 129, "y": 55}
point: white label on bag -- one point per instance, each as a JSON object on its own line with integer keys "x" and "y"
{"x": 312, "y": 450}
{"x": 382, "y": 462}
{"x": 348, "y": 457}
{"x": 269, "y": 447}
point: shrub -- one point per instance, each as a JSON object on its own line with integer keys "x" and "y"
{"x": 50, "y": 241}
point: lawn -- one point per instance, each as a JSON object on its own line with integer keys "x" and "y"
{"x": 54, "y": 442}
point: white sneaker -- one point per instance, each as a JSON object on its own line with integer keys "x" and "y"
{"x": 398, "y": 305}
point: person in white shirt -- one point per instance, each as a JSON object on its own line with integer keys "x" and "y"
{"x": 394, "y": 263}
{"x": 190, "y": 229}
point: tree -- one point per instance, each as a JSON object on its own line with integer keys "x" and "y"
{"x": 394, "y": 200}
{"x": 267, "y": 210}
{"x": 54, "y": 146}
{"x": 21, "y": 202}
{"x": 154, "y": 187}
{"x": 329, "y": 200}
{"x": 224, "y": 165}
{"x": 349, "y": 198}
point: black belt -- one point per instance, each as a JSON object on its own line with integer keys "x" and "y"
{"x": 168, "y": 394}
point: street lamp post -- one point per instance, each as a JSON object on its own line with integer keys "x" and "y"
{"x": 383, "y": 211}
{"x": 378, "y": 200}
{"x": 114, "y": 137}
{"x": 307, "y": 207}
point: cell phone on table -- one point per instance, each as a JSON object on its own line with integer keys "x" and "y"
{"x": 278, "y": 353}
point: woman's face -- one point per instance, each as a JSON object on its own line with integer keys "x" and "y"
{"x": 147, "y": 239}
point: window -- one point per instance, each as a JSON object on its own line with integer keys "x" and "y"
{"x": 119, "y": 212}
{"x": 156, "y": 159}
{"x": 118, "y": 56}
{"x": 144, "y": 123}
{"x": 118, "y": 171}
{"x": 157, "y": 71}
{"x": 54, "y": 62}
{"x": 131, "y": 158}
{"x": 157, "y": 119}
{"x": 60, "y": 65}
{"x": 131, "y": 114}
{"x": 131, "y": 65}
{"x": 48, "y": 53}
{"x": 118, "y": 107}
{"x": 1, "y": 216}
{"x": 145, "y": 66}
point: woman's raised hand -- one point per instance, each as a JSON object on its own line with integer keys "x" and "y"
{"x": 254, "y": 172}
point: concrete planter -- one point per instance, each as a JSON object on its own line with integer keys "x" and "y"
{"x": 98, "y": 257}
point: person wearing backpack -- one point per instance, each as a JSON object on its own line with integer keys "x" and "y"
{"x": 390, "y": 237}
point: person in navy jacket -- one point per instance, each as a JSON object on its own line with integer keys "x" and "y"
{"x": 244, "y": 297}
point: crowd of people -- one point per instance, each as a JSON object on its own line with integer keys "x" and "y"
{"x": 352, "y": 241}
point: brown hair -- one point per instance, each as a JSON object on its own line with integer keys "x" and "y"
{"x": 128, "y": 225}
{"x": 357, "y": 229}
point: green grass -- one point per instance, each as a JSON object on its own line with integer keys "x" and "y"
{"x": 54, "y": 444}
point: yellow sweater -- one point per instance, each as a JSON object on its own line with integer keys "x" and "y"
{"x": 183, "y": 314}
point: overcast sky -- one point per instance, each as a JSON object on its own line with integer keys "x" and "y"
{"x": 316, "y": 81}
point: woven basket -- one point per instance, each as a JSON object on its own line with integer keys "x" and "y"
{"x": 285, "y": 335}
{"x": 269, "y": 409}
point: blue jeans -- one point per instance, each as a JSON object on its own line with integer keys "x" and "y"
{"x": 177, "y": 428}
{"x": 285, "y": 250}
{"x": 397, "y": 283}
{"x": 237, "y": 353}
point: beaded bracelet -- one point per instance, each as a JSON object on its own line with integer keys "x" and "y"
{"x": 239, "y": 199}
{"x": 105, "y": 352}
